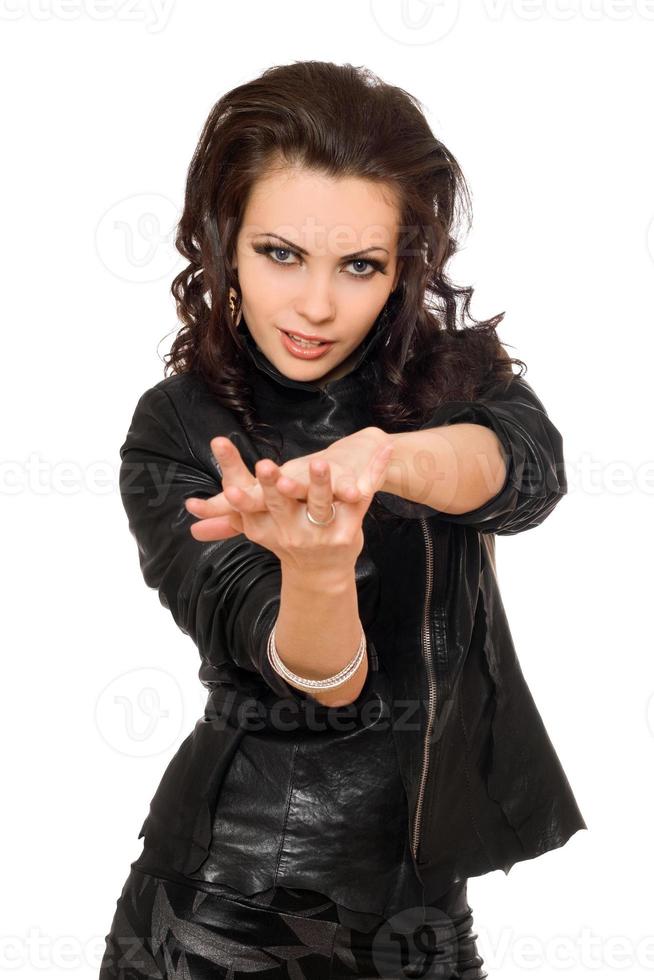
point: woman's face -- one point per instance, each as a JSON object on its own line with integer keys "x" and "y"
{"x": 318, "y": 291}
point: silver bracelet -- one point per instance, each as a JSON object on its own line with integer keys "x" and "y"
{"x": 333, "y": 681}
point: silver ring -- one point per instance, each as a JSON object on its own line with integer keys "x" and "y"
{"x": 321, "y": 523}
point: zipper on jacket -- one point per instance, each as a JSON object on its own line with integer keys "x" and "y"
{"x": 431, "y": 681}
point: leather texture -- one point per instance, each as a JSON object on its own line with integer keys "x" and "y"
{"x": 163, "y": 928}
{"x": 445, "y": 719}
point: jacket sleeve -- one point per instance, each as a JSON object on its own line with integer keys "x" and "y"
{"x": 224, "y": 594}
{"x": 535, "y": 479}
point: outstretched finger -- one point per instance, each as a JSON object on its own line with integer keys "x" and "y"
{"x": 269, "y": 474}
{"x": 290, "y": 487}
{"x": 216, "y": 506}
{"x": 244, "y": 501}
{"x": 230, "y": 463}
{"x": 220, "y": 506}
{"x": 320, "y": 496}
{"x": 215, "y": 529}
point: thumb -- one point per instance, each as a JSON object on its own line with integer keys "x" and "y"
{"x": 230, "y": 464}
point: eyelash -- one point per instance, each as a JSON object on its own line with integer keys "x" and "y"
{"x": 266, "y": 248}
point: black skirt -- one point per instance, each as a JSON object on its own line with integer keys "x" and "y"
{"x": 165, "y": 928}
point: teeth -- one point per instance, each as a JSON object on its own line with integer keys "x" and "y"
{"x": 305, "y": 343}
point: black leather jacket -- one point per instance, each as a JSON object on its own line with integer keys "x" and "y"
{"x": 484, "y": 786}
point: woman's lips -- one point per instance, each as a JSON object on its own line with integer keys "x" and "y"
{"x": 304, "y": 353}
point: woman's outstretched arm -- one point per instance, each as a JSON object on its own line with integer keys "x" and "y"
{"x": 452, "y": 468}
{"x": 503, "y": 480}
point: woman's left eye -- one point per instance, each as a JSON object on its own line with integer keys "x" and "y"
{"x": 365, "y": 262}
{"x": 270, "y": 248}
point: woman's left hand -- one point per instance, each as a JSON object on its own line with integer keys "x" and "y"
{"x": 349, "y": 459}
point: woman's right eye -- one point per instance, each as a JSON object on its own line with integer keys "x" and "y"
{"x": 270, "y": 249}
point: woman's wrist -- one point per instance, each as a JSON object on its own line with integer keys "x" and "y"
{"x": 318, "y": 630}
{"x": 331, "y": 581}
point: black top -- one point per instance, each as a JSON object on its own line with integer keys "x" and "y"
{"x": 370, "y": 821}
{"x": 484, "y": 785}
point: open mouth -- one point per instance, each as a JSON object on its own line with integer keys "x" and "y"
{"x": 305, "y": 348}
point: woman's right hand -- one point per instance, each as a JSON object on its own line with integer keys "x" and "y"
{"x": 283, "y": 527}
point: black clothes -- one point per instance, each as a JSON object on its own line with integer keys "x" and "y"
{"x": 481, "y": 785}
{"x": 365, "y": 830}
{"x": 164, "y": 928}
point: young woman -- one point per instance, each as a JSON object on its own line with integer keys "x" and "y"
{"x": 318, "y": 515}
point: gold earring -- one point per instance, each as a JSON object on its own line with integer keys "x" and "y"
{"x": 233, "y": 297}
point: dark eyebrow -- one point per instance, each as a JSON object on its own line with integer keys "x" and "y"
{"x": 303, "y": 251}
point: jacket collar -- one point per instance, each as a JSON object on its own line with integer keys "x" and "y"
{"x": 274, "y": 382}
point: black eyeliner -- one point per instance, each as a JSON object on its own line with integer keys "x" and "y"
{"x": 264, "y": 248}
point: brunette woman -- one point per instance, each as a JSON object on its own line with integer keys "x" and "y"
{"x": 315, "y": 491}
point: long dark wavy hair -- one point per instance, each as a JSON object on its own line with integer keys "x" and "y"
{"x": 341, "y": 121}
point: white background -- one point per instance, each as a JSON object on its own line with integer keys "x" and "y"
{"x": 547, "y": 107}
